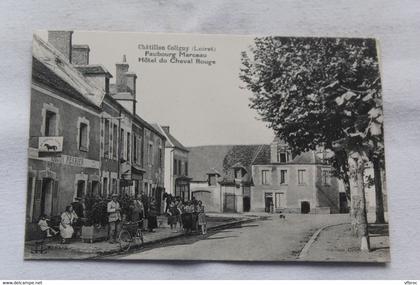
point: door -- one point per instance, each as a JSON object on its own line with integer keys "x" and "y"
{"x": 268, "y": 201}
{"x": 247, "y": 204}
{"x": 46, "y": 196}
{"x": 305, "y": 207}
{"x": 230, "y": 205}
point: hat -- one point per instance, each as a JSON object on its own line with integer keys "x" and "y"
{"x": 114, "y": 195}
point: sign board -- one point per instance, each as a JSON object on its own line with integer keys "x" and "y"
{"x": 50, "y": 144}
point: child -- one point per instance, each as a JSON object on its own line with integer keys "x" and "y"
{"x": 45, "y": 228}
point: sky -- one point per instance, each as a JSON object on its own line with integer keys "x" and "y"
{"x": 203, "y": 105}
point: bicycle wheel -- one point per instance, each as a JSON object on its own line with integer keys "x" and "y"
{"x": 125, "y": 239}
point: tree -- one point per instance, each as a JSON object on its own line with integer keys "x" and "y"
{"x": 321, "y": 92}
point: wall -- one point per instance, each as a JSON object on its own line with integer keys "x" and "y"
{"x": 74, "y": 164}
{"x": 210, "y": 195}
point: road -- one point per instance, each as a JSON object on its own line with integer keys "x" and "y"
{"x": 262, "y": 240}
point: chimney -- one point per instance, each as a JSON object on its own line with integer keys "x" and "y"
{"x": 131, "y": 78}
{"x": 61, "y": 40}
{"x": 120, "y": 78}
{"x": 80, "y": 54}
{"x": 165, "y": 129}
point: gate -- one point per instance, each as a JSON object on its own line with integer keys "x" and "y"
{"x": 230, "y": 203}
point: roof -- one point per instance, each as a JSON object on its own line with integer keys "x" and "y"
{"x": 242, "y": 155}
{"x": 58, "y": 65}
{"x": 307, "y": 158}
{"x": 93, "y": 69}
{"x": 80, "y": 47}
{"x": 44, "y": 75}
{"x": 171, "y": 141}
{"x": 206, "y": 159}
{"x": 263, "y": 156}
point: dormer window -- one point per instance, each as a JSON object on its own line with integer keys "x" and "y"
{"x": 238, "y": 173}
{"x": 283, "y": 156}
{"x": 212, "y": 179}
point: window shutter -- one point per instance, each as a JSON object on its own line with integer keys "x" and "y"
{"x": 37, "y": 200}
{"x": 55, "y": 209}
{"x": 89, "y": 189}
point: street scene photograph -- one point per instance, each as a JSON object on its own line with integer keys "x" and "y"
{"x": 146, "y": 146}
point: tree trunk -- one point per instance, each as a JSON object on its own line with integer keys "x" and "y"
{"x": 380, "y": 216}
{"x": 358, "y": 201}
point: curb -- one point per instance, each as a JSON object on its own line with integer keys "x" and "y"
{"x": 304, "y": 252}
{"x": 97, "y": 254}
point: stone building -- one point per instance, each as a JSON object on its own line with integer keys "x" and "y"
{"x": 64, "y": 151}
{"x": 289, "y": 183}
{"x": 85, "y": 139}
{"x": 241, "y": 178}
{"x": 177, "y": 181}
{"x": 221, "y": 176}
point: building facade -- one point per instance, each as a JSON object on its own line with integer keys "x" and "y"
{"x": 283, "y": 182}
{"x": 82, "y": 139}
{"x": 177, "y": 181}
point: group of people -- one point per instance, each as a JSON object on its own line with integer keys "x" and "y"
{"x": 189, "y": 215}
{"x": 119, "y": 209}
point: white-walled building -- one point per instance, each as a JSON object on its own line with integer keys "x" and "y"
{"x": 176, "y": 181}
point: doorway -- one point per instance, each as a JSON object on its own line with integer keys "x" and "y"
{"x": 247, "y": 204}
{"x": 46, "y": 196}
{"x": 230, "y": 205}
{"x": 268, "y": 197}
{"x": 95, "y": 188}
{"x": 305, "y": 207}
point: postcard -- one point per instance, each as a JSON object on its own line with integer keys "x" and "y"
{"x": 205, "y": 147}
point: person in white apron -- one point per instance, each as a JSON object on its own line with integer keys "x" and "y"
{"x": 66, "y": 225}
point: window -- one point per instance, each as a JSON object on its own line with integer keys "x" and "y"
{"x": 50, "y": 123}
{"x": 301, "y": 176}
{"x": 283, "y": 155}
{"x": 114, "y": 141}
{"x": 150, "y": 158}
{"x": 80, "y": 192}
{"x": 128, "y": 155}
{"x": 186, "y": 168}
{"x": 179, "y": 167}
{"x": 280, "y": 201}
{"x": 160, "y": 156}
{"x": 326, "y": 177}
{"x": 122, "y": 151}
{"x": 283, "y": 176}
{"x": 114, "y": 186}
{"x": 135, "y": 153}
{"x": 212, "y": 179}
{"x": 265, "y": 177}
{"x": 175, "y": 167}
{"x": 83, "y": 136}
{"x": 238, "y": 173}
{"x": 105, "y": 187}
{"x": 106, "y": 138}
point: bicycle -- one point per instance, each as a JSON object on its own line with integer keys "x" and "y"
{"x": 130, "y": 234}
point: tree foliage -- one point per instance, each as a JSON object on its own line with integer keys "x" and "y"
{"x": 318, "y": 92}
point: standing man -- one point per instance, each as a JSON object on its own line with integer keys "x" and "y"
{"x": 114, "y": 218}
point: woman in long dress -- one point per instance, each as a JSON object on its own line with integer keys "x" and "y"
{"x": 66, "y": 225}
{"x": 172, "y": 212}
{"x": 202, "y": 221}
{"x": 187, "y": 218}
{"x": 152, "y": 218}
